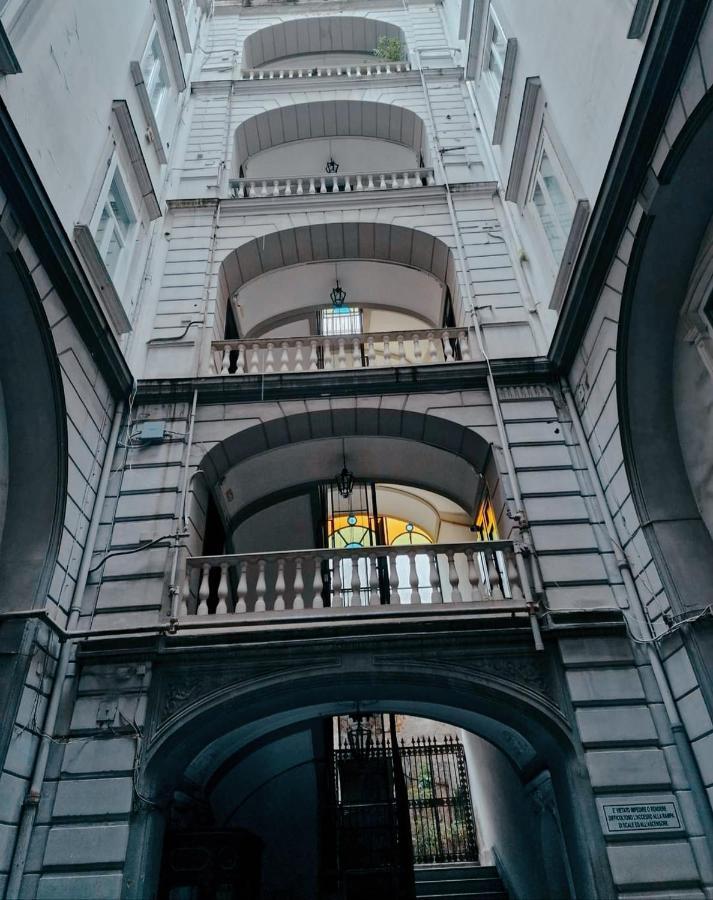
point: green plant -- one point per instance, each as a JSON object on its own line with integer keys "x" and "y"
{"x": 389, "y": 48}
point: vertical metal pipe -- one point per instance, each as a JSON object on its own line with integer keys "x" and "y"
{"x": 174, "y": 591}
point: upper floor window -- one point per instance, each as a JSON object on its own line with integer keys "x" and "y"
{"x": 552, "y": 200}
{"x": 115, "y": 228}
{"x": 495, "y": 50}
{"x": 155, "y": 73}
{"x": 340, "y": 320}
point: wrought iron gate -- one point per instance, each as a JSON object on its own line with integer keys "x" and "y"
{"x": 442, "y": 828}
{"x": 439, "y": 802}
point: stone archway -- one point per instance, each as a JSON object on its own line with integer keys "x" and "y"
{"x": 667, "y": 244}
{"x": 206, "y": 713}
{"x": 329, "y": 119}
{"x": 323, "y": 34}
{"x": 334, "y": 242}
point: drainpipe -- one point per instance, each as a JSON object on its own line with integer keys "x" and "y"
{"x": 519, "y": 516}
{"x": 32, "y": 800}
{"x": 173, "y": 590}
{"x": 686, "y": 755}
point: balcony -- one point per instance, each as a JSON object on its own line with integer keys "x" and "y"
{"x": 353, "y": 71}
{"x": 361, "y": 581}
{"x": 330, "y": 184}
{"x": 341, "y": 352}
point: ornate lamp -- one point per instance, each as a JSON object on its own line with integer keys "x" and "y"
{"x": 359, "y": 738}
{"x": 332, "y": 167}
{"x": 345, "y": 479}
{"x": 338, "y": 295}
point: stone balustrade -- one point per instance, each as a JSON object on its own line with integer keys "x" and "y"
{"x": 298, "y": 185}
{"x": 437, "y": 575}
{"x": 343, "y": 351}
{"x": 353, "y": 71}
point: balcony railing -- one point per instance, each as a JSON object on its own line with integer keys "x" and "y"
{"x": 344, "y": 351}
{"x": 440, "y": 576}
{"x": 353, "y": 71}
{"x": 330, "y": 184}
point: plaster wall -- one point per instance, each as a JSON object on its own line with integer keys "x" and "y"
{"x": 309, "y": 157}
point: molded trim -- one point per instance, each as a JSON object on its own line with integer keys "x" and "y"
{"x": 120, "y": 108}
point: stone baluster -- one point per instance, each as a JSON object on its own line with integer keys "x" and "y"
{"x": 284, "y": 357}
{"x": 185, "y": 594}
{"x": 388, "y": 68}
{"x": 327, "y": 348}
{"x": 434, "y": 579}
{"x": 241, "y": 605}
{"x": 288, "y": 187}
{"x": 417, "y": 179}
{"x": 335, "y": 184}
{"x": 370, "y": 350}
{"x": 253, "y": 190}
{"x": 319, "y": 73}
{"x": 337, "y": 596}
{"x": 413, "y": 577}
{"x": 300, "y": 73}
{"x": 464, "y": 346}
{"x": 299, "y": 586}
{"x": 406, "y": 183}
{"x": 496, "y": 591}
{"x": 225, "y": 367}
{"x": 341, "y": 355}
{"x": 347, "y": 183}
{"x": 275, "y": 188}
{"x": 328, "y": 73}
{"x": 417, "y": 353}
{"x": 282, "y": 73}
{"x": 203, "y": 591}
{"x": 356, "y": 353}
{"x": 447, "y": 348}
{"x": 394, "y": 181}
{"x": 322, "y": 185}
{"x": 279, "y": 603}
{"x": 270, "y": 358}
{"x": 317, "y": 584}
{"x": 370, "y": 183}
{"x": 394, "y": 596}
{"x": 313, "y": 357}
{"x": 476, "y": 587}
{"x": 260, "y": 587}
{"x": 299, "y": 357}
{"x": 264, "y": 192}
{"x": 355, "y": 583}
{"x": 240, "y": 363}
{"x": 222, "y": 606}
{"x": 312, "y": 189}
{"x": 454, "y": 581}
{"x": 430, "y": 178}
{"x": 359, "y": 185}
{"x": 382, "y": 182}
{"x": 401, "y": 351}
{"x": 432, "y": 351}
{"x": 300, "y": 187}
{"x": 374, "y": 597}
{"x": 387, "y": 351}
{"x": 513, "y": 575}
{"x": 255, "y": 360}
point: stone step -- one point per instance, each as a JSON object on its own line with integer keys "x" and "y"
{"x": 461, "y": 887}
{"x": 459, "y": 881}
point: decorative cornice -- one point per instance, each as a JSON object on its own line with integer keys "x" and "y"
{"x": 673, "y": 34}
{"x": 40, "y": 222}
{"x": 359, "y": 382}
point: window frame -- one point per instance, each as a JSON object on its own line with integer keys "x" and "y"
{"x": 128, "y": 239}
{"x": 160, "y": 63}
{"x": 545, "y": 148}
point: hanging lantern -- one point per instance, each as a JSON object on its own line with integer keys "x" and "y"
{"x": 338, "y": 295}
{"x": 345, "y": 482}
{"x": 359, "y": 738}
{"x": 332, "y": 167}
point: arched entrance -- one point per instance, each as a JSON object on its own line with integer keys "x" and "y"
{"x": 526, "y": 747}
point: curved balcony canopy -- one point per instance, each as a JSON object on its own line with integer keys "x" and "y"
{"x": 333, "y": 35}
{"x": 356, "y": 251}
{"x": 347, "y": 129}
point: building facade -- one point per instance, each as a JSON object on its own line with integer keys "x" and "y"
{"x": 356, "y": 361}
